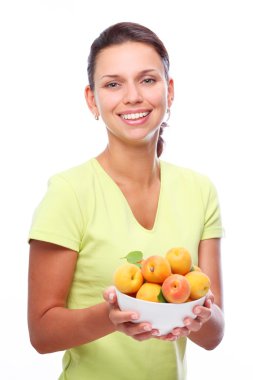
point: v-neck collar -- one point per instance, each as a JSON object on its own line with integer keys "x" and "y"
{"x": 121, "y": 194}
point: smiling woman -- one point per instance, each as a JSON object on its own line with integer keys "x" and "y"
{"x": 131, "y": 92}
{"x": 123, "y": 200}
{"x": 122, "y": 33}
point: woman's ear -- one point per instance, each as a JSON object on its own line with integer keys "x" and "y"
{"x": 90, "y": 100}
{"x": 170, "y": 92}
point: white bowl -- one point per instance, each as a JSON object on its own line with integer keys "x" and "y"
{"x": 162, "y": 316}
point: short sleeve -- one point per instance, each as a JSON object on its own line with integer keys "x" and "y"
{"x": 58, "y": 218}
{"x": 212, "y": 215}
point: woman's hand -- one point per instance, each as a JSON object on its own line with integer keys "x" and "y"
{"x": 124, "y": 320}
{"x": 203, "y": 315}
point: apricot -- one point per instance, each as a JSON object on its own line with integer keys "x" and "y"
{"x": 176, "y": 288}
{"x": 199, "y": 284}
{"x": 180, "y": 260}
{"x": 128, "y": 278}
{"x": 155, "y": 269}
{"x": 149, "y": 292}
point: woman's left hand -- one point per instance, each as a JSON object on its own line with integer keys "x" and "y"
{"x": 203, "y": 314}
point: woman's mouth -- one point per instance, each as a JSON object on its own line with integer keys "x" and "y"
{"x": 134, "y": 116}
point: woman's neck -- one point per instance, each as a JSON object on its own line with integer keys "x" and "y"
{"x": 135, "y": 165}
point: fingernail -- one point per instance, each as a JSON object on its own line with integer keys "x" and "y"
{"x": 134, "y": 316}
{"x": 156, "y": 333}
{"x": 147, "y": 328}
{"x": 197, "y": 311}
{"x": 111, "y": 297}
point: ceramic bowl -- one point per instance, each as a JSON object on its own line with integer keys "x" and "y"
{"x": 162, "y": 316}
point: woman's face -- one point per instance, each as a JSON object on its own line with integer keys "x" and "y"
{"x": 131, "y": 92}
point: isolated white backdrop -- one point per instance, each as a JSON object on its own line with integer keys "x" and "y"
{"x": 46, "y": 128}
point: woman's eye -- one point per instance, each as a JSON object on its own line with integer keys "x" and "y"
{"x": 112, "y": 85}
{"x": 149, "y": 80}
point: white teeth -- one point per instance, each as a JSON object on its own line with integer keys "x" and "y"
{"x": 132, "y": 116}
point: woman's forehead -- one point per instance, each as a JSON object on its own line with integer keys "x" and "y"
{"x": 126, "y": 57}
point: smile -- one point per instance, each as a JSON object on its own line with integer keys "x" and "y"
{"x": 134, "y": 116}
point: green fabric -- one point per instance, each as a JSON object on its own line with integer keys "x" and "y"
{"x": 85, "y": 210}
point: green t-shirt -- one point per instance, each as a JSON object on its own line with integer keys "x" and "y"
{"x": 85, "y": 210}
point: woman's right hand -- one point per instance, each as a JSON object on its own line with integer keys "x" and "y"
{"x": 124, "y": 320}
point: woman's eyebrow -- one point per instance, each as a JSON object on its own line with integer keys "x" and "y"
{"x": 147, "y": 71}
{"x": 110, "y": 76}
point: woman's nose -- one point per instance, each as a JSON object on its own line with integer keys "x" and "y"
{"x": 132, "y": 94}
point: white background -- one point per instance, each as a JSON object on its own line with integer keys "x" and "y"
{"x": 46, "y": 128}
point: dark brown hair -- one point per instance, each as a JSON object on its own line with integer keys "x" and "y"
{"x": 124, "y": 32}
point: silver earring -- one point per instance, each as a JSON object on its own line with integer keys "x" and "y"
{"x": 168, "y": 114}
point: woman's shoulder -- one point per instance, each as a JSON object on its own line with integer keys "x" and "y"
{"x": 183, "y": 172}
{"x": 188, "y": 177}
{"x": 76, "y": 180}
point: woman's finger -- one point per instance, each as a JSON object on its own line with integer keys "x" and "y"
{"x": 203, "y": 313}
{"x": 109, "y": 295}
{"x": 132, "y": 329}
{"x": 117, "y": 316}
{"x": 209, "y": 299}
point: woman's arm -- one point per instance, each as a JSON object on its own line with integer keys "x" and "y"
{"x": 207, "y": 329}
{"x": 211, "y": 332}
{"x": 52, "y": 326}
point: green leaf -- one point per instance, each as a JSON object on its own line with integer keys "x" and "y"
{"x": 161, "y": 298}
{"x": 134, "y": 257}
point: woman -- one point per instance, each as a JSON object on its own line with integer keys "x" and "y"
{"x": 125, "y": 199}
